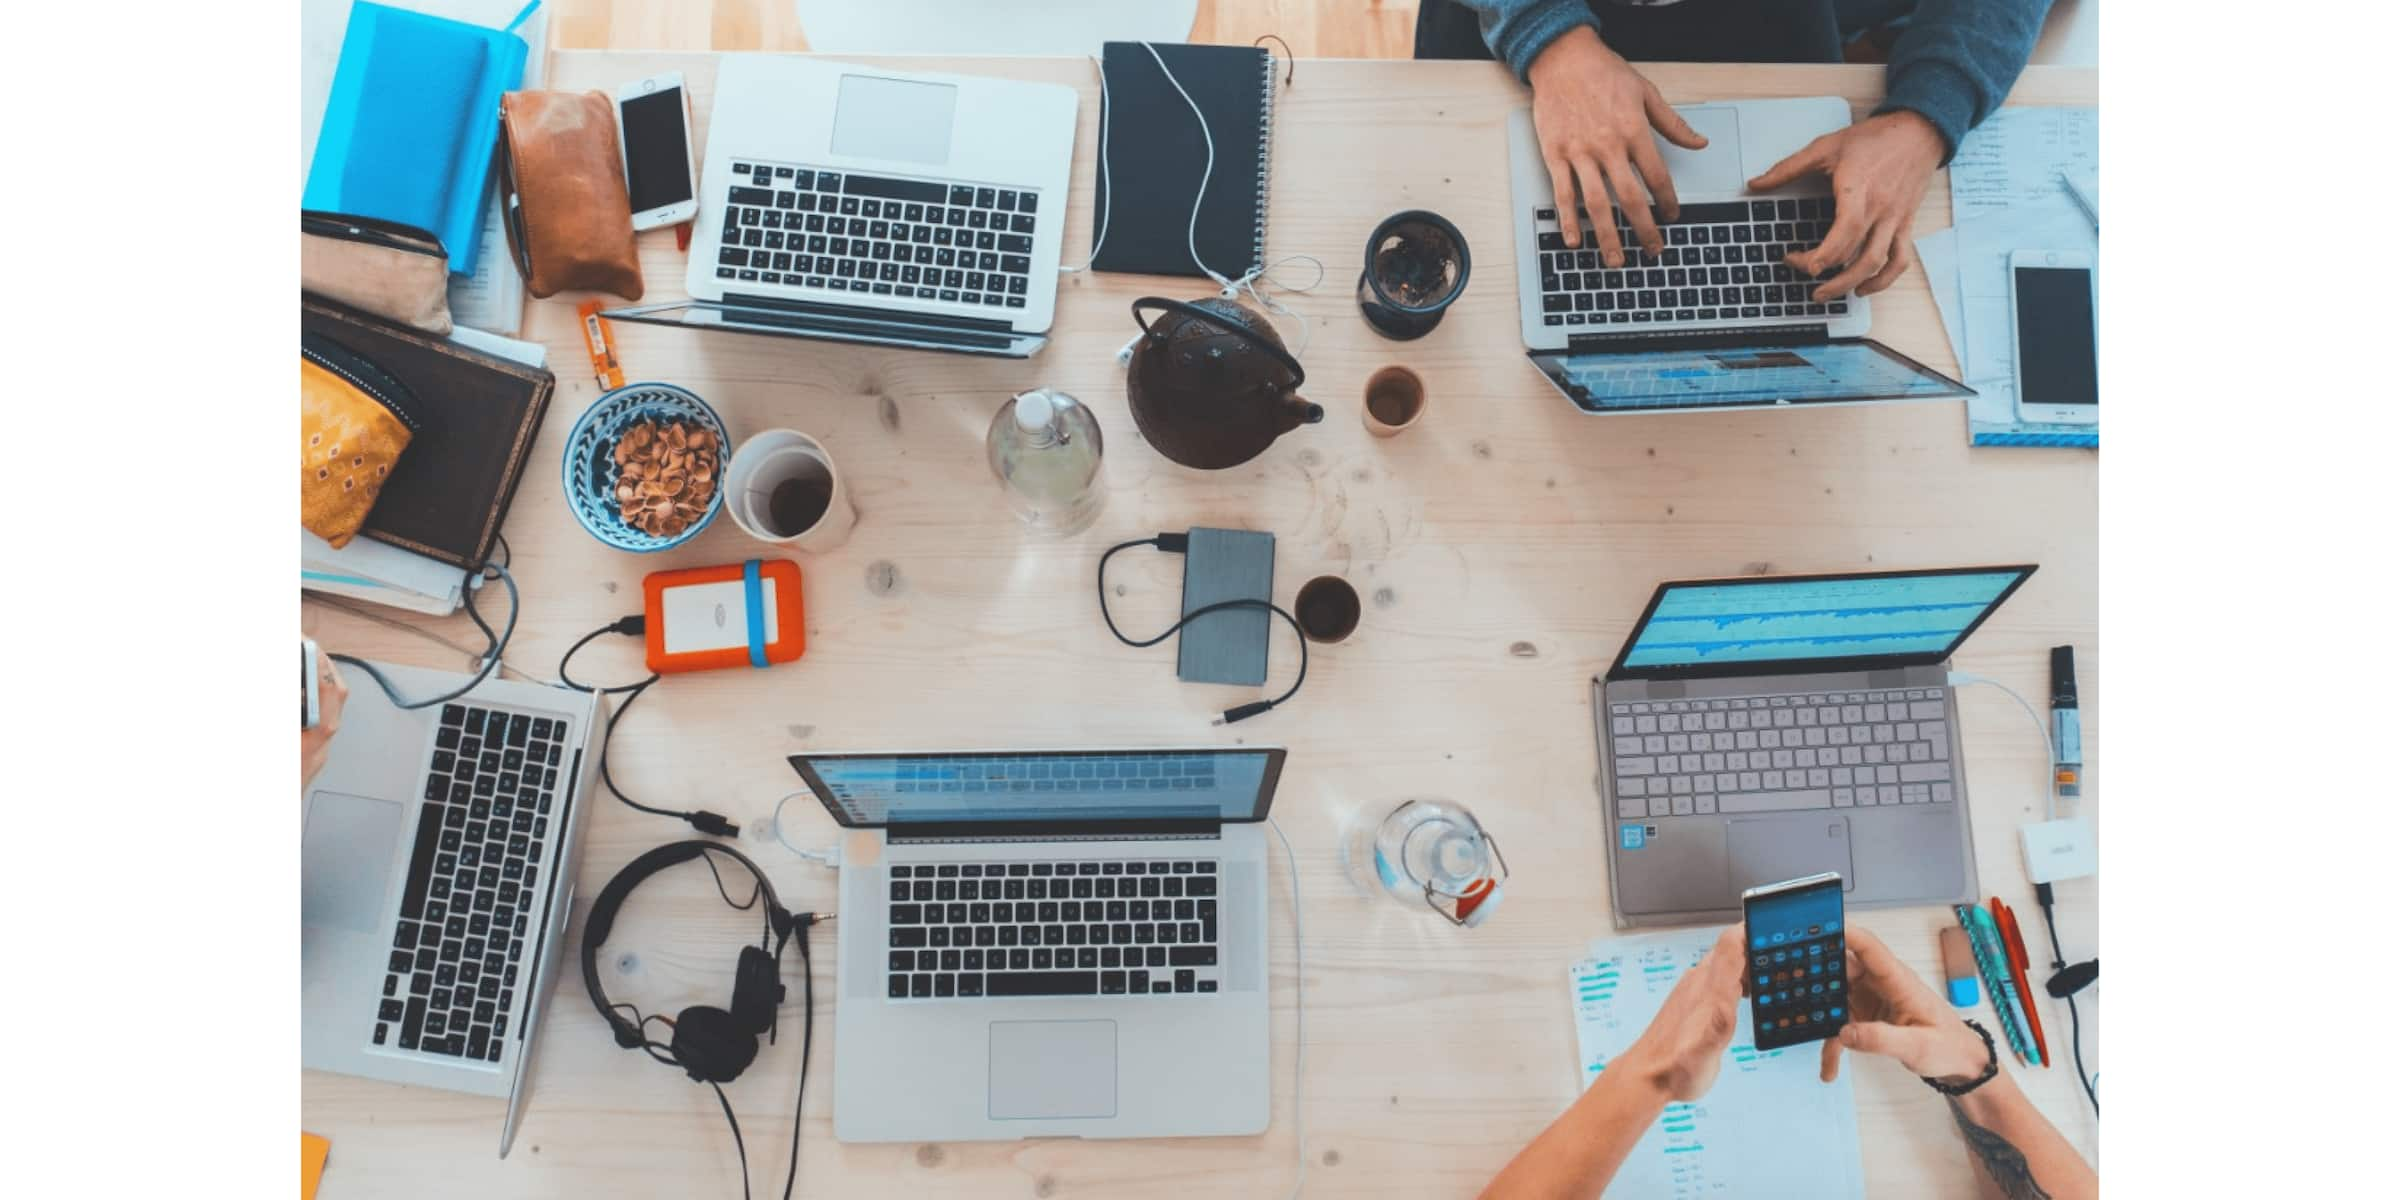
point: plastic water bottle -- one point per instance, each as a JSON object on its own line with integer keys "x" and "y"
{"x": 1044, "y": 447}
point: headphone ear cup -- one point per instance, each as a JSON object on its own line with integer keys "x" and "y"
{"x": 757, "y": 989}
{"x": 711, "y": 1046}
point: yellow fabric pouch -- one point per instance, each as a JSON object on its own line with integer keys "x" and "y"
{"x": 354, "y": 423}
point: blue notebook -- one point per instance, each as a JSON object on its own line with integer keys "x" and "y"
{"x": 412, "y": 120}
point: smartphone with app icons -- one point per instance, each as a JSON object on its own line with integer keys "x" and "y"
{"x": 1799, "y": 988}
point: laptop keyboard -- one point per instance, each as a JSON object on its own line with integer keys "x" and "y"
{"x": 953, "y": 242}
{"x": 1750, "y": 754}
{"x": 1722, "y": 262}
{"x": 474, "y": 879}
{"x": 1098, "y": 928}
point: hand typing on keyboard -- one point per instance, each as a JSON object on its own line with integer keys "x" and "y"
{"x": 1593, "y": 113}
{"x": 1880, "y": 168}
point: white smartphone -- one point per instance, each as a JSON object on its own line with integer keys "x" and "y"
{"x": 654, "y": 133}
{"x": 310, "y": 712}
{"x": 2057, "y": 334}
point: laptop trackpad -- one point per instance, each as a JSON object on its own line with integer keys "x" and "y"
{"x": 1715, "y": 170}
{"x": 1772, "y": 849}
{"x": 345, "y": 858}
{"x": 1050, "y": 1069}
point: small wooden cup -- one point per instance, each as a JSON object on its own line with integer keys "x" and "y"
{"x": 1395, "y": 399}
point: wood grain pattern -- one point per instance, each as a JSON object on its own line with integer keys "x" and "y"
{"x": 1313, "y": 28}
{"x": 1503, "y": 546}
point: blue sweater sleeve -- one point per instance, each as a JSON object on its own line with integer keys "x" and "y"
{"x": 1957, "y": 59}
{"x": 1519, "y": 30}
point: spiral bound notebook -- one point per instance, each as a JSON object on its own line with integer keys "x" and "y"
{"x": 1154, "y": 155}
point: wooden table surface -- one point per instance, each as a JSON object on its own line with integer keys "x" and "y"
{"x": 1504, "y": 547}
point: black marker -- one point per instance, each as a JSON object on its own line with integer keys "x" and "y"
{"x": 2066, "y": 722}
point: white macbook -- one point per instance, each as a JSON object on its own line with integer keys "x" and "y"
{"x": 1718, "y": 320}
{"x": 865, "y": 204}
{"x": 1055, "y": 943}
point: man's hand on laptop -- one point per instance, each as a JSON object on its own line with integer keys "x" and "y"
{"x": 1880, "y": 168}
{"x": 1593, "y": 113}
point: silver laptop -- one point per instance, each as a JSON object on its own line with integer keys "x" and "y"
{"x": 1059, "y": 943}
{"x": 865, "y": 204}
{"x": 1718, "y": 320}
{"x": 437, "y": 854}
{"x": 1766, "y": 728}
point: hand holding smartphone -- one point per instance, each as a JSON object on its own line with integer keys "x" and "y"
{"x": 1798, "y": 979}
{"x": 654, "y": 134}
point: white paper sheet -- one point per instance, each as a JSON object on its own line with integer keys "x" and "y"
{"x": 2016, "y": 155}
{"x": 1768, "y": 1127}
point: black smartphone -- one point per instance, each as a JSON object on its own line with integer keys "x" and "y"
{"x": 1799, "y": 987}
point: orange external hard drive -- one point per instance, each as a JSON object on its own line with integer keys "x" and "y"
{"x": 706, "y": 618}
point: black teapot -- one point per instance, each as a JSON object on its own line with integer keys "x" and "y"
{"x": 1210, "y": 384}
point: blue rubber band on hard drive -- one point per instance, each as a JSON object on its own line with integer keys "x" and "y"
{"x": 753, "y": 599}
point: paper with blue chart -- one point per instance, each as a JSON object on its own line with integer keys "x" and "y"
{"x": 1768, "y": 1127}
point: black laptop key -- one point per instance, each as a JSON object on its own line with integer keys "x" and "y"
{"x": 1043, "y": 983}
{"x": 421, "y": 862}
{"x": 908, "y": 937}
{"x": 1192, "y": 956}
{"x": 750, "y": 195}
{"x": 412, "y": 1023}
{"x": 1184, "y": 981}
{"x": 920, "y": 986}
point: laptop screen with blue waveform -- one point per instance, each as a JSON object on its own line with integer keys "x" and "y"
{"x": 1059, "y": 787}
{"x": 1922, "y": 615}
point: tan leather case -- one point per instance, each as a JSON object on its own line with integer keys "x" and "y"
{"x": 381, "y": 267}
{"x": 570, "y": 226}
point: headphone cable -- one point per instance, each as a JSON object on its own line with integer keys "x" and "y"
{"x": 494, "y": 644}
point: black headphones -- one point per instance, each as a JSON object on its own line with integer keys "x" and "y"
{"x": 712, "y": 1045}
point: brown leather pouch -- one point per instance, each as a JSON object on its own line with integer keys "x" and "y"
{"x": 394, "y": 271}
{"x": 570, "y": 226}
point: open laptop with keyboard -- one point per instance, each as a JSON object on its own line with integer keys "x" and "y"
{"x": 437, "y": 862}
{"x": 1718, "y": 319}
{"x": 1765, "y": 728}
{"x": 1073, "y": 942}
{"x": 863, "y": 204}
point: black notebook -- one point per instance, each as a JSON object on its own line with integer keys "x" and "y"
{"x": 476, "y": 417}
{"x": 1155, "y": 155}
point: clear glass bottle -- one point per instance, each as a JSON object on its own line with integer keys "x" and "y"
{"x": 1044, "y": 448}
{"x": 1426, "y": 853}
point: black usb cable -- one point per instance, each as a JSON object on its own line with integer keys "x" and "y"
{"x": 712, "y": 824}
{"x": 2067, "y": 981}
{"x": 1177, "y": 543}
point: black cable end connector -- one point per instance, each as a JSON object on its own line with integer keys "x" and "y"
{"x": 1243, "y": 712}
{"x": 712, "y": 824}
{"x": 1175, "y": 543}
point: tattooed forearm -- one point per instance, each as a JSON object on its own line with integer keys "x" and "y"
{"x": 2002, "y": 1161}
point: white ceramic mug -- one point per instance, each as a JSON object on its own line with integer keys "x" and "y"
{"x": 786, "y": 459}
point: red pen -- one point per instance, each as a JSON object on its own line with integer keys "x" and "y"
{"x": 2014, "y": 940}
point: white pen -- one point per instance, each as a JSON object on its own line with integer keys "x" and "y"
{"x": 2082, "y": 201}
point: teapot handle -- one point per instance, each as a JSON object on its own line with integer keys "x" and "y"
{"x": 1278, "y": 353}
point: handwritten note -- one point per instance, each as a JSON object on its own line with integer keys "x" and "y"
{"x": 2015, "y": 157}
{"x": 1768, "y": 1127}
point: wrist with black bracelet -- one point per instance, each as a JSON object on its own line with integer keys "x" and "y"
{"x": 1953, "y": 1086}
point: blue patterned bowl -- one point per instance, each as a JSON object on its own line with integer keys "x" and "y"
{"x": 590, "y": 466}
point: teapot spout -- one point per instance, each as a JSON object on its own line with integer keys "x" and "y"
{"x": 1303, "y": 412}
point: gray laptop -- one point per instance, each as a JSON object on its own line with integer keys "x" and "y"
{"x": 1058, "y": 943}
{"x": 437, "y": 853}
{"x": 1766, "y": 728}
{"x": 1718, "y": 320}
